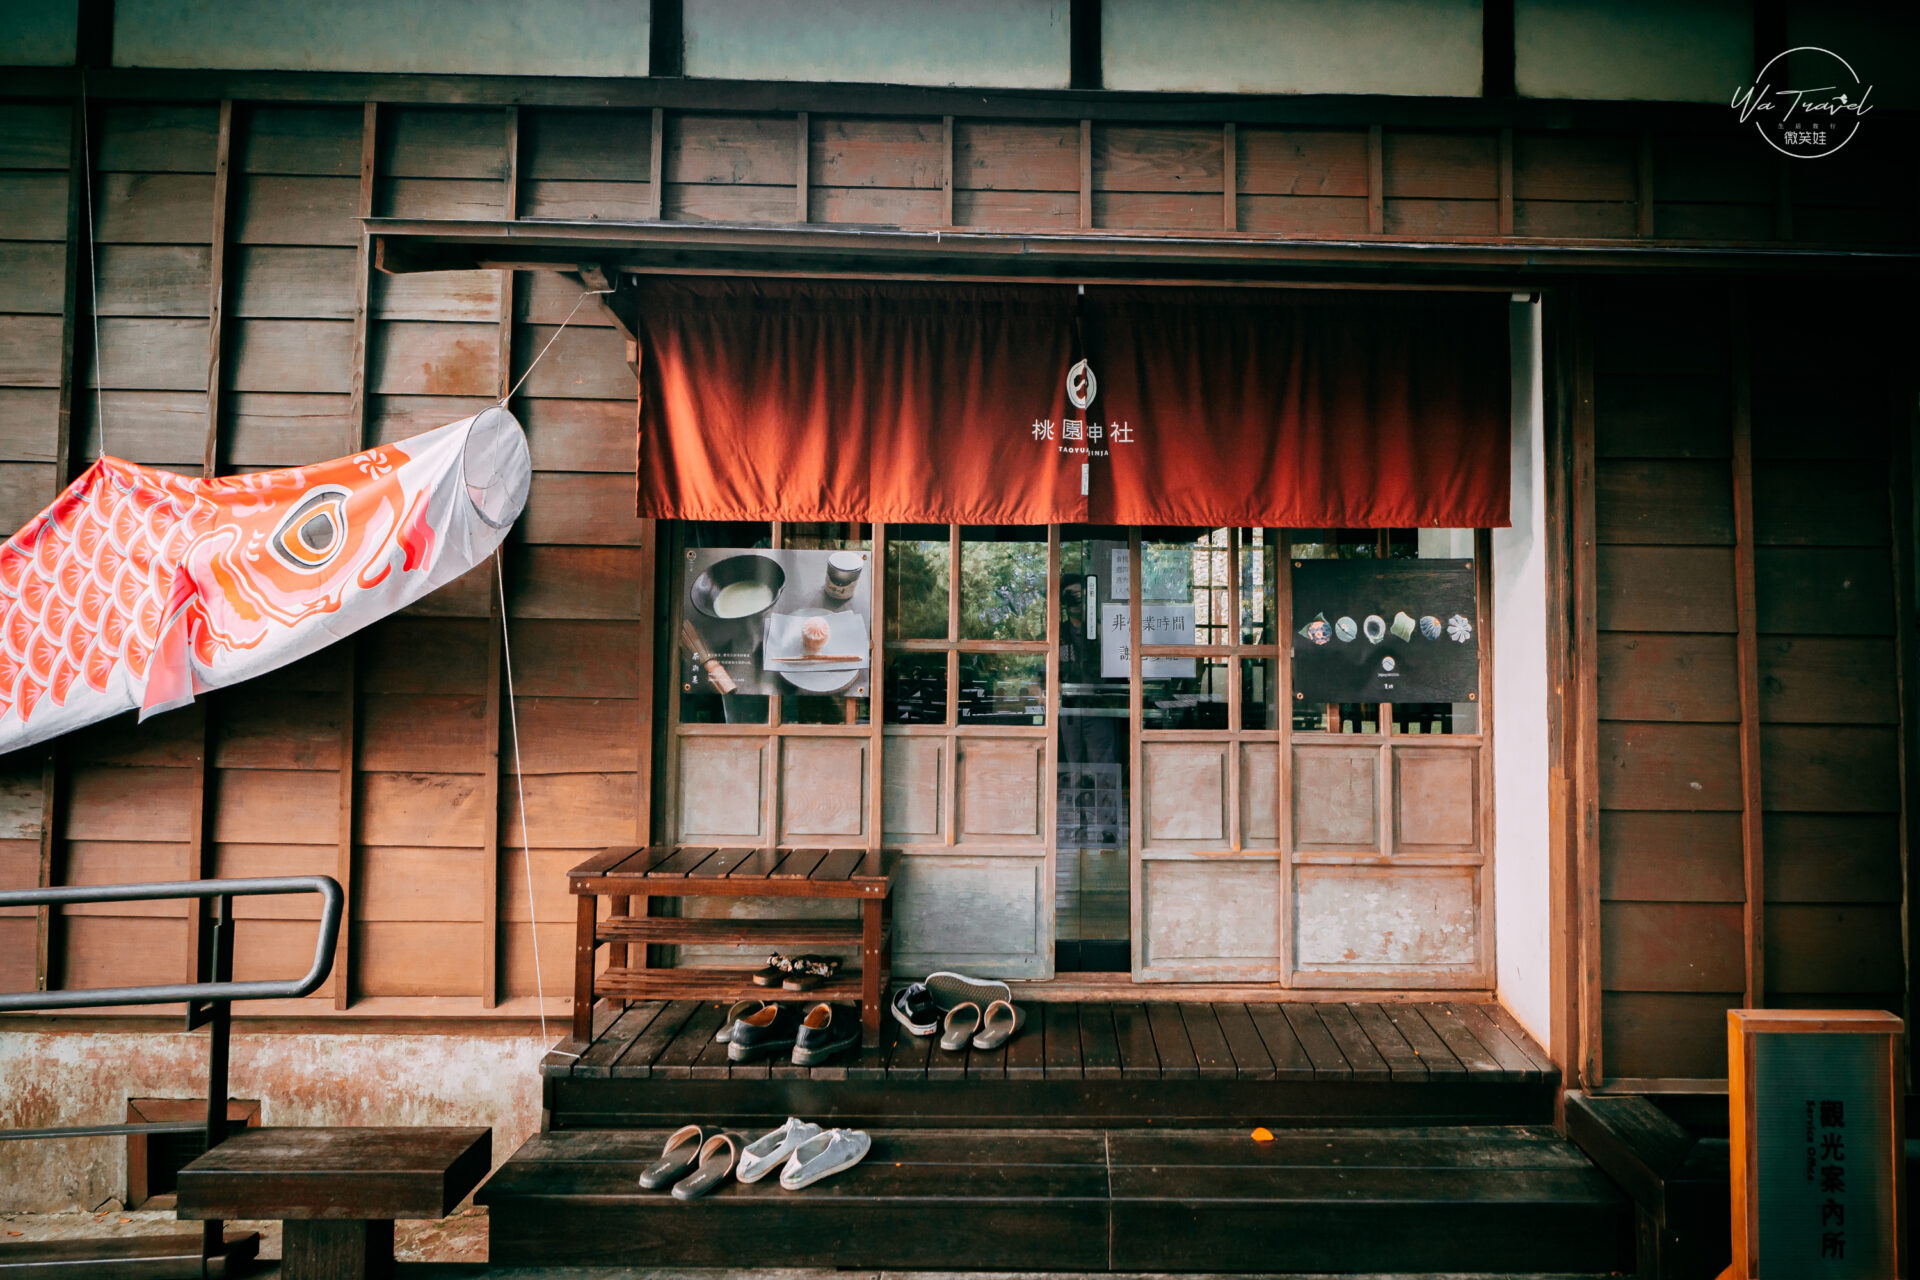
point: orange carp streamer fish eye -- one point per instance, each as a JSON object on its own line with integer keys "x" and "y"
{"x": 139, "y": 588}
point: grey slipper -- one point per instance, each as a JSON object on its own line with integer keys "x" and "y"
{"x": 717, "y": 1156}
{"x": 741, "y": 1009}
{"x": 1002, "y": 1021}
{"x": 950, "y": 989}
{"x": 962, "y": 1021}
{"x": 824, "y": 1155}
{"x": 677, "y": 1157}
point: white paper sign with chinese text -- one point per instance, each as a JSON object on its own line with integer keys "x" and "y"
{"x": 1162, "y": 623}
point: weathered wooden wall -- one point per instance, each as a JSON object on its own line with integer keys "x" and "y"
{"x": 239, "y": 326}
{"x": 1749, "y": 744}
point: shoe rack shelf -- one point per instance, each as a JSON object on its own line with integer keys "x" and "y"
{"x": 631, "y": 877}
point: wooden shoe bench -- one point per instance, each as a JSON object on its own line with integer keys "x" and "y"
{"x": 632, "y": 877}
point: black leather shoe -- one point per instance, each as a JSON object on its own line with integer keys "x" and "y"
{"x": 825, "y": 1031}
{"x": 763, "y": 1034}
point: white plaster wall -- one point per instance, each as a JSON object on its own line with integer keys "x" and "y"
{"x": 56, "y": 1078}
{"x": 1520, "y": 779}
{"x": 1000, "y": 44}
{"x": 466, "y": 37}
{"x": 1423, "y": 47}
{"x": 1659, "y": 50}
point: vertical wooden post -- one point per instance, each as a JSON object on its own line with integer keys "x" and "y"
{"x": 1086, "y": 174}
{"x": 496, "y": 613}
{"x": 1229, "y": 180}
{"x": 946, "y": 184}
{"x": 1747, "y": 654}
{"x": 1376, "y": 180}
{"x": 1643, "y": 189}
{"x": 801, "y": 148}
{"x": 876, "y": 674}
{"x": 1283, "y": 732}
{"x": 1136, "y": 703}
{"x": 656, "y": 164}
{"x": 1586, "y": 699}
{"x": 356, "y": 440}
{"x": 1506, "y": 182}
{"x": 1562, "y": 717}
{"x": 202, "y": 787}
{"x": 73, "y": 363}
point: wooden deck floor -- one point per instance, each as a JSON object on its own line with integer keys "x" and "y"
{"x": 1163, "y": 1041}
{"x": 1088, "y": 1065}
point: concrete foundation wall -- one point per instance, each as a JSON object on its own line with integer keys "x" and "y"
{"x": 50, "y": 1078}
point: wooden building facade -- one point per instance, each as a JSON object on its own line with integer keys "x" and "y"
{"x": 222, "y": 271}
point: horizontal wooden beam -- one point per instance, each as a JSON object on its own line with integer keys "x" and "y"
{"x": 404, "y": 245}
{"x": 787, "y": 97}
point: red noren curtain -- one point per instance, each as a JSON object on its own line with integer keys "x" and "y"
{"x": 836, "y": 401}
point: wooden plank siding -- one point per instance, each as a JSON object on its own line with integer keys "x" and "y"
{"x": 1672, "y": 955}
{"x": 1750, "y": 838}
{"x": 387, "y": 746}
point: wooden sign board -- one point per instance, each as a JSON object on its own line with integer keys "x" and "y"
{"x": 1816, "y": 1116}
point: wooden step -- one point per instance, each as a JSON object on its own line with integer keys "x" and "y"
{"x": 1484, "y": 1199}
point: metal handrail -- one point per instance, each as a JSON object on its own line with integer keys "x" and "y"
{"x": 209, "y": 1003}
{"x": 331, "y": 903}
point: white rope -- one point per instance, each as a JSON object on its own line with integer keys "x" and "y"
{"x": 590, "y": 293}
{"x": 520, "y": 781}
{"x": 513, "y": 719}
{"x": 93, "y": 275}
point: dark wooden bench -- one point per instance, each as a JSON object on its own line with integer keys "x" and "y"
{"x": 337, "y": 1191}
{"x": 632, "y": 877}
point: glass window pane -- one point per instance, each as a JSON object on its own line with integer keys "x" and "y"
{"x": 1436, "y": 717}
{"x": 1003, "y": 583}
{"x": 917, "y": 582}
{"x": 1259, "y": 596}
{"x": 916, "y": 688}
{"x": 832, "y": 708}
{"x": 1259, "y": 693}
{"x": 839, "y": 536}
{"x": 1003, "y": 688}
{"x": 1185, "y": 593}
{"x": 1187, "y": 702}
{"x": 699, "y": 704}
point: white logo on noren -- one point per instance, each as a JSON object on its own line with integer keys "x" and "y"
{"x": 1082, "y": 386}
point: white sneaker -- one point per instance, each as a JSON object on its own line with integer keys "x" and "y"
{"x": 824, "y": 1155}
{"x": 764, "y": 1153}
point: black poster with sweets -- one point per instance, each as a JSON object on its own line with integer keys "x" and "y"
{"x": 1385, "y": 631}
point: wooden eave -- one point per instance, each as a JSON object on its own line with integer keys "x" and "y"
{"x": 403, "y": 245}
{"x": 675, "y": 93}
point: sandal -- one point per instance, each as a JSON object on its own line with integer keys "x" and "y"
{"x": 777, "y": 967}
{"x": 962, "y": 1021}
{"x": 717, "y": 1157}
{"x": 808, "y": 972}
{"x": 677, "y": 1157}
{"x": 1002, "y": 1022}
